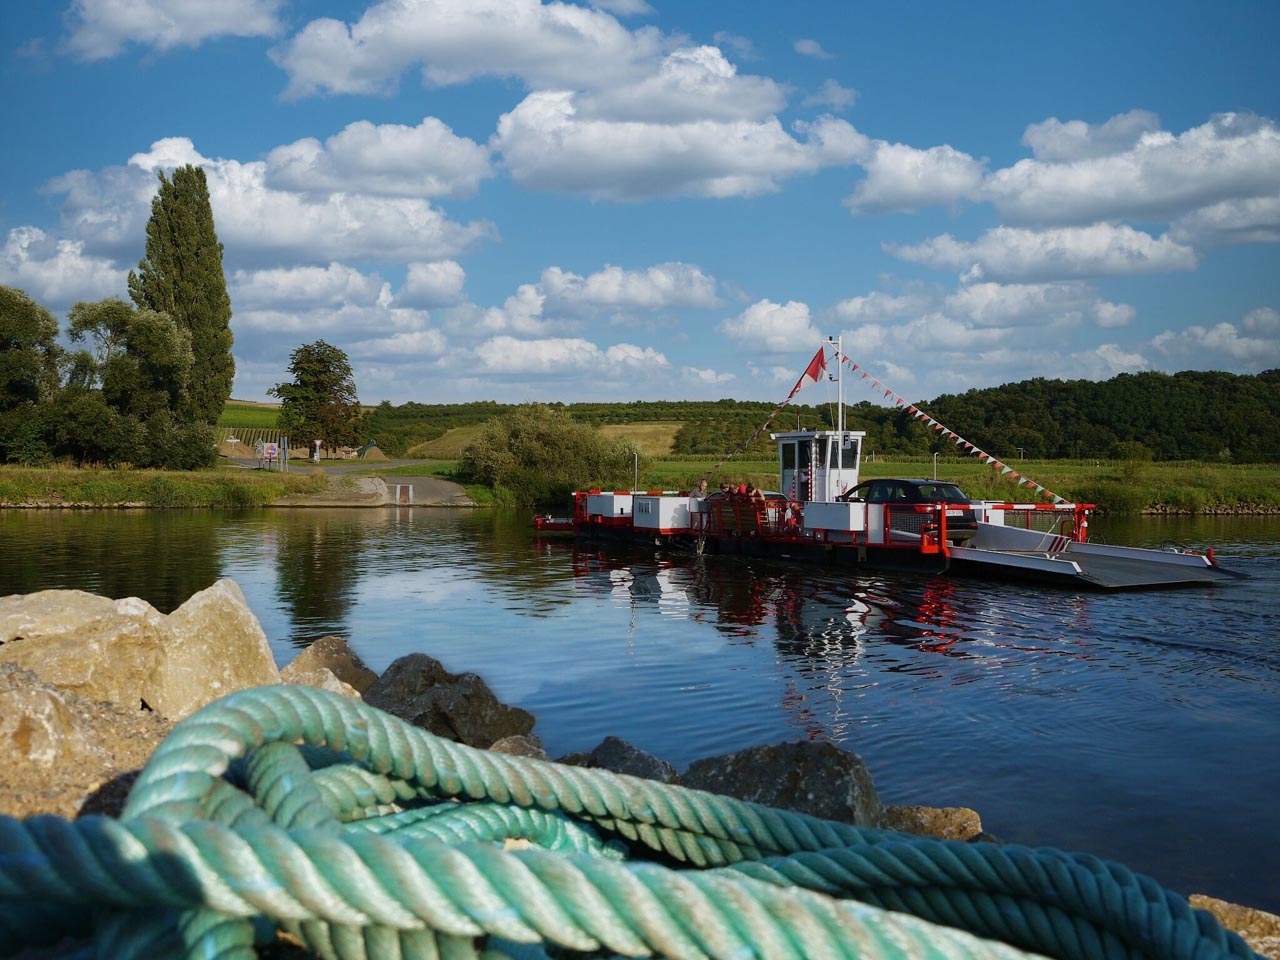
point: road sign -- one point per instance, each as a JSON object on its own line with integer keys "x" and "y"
{"x": 271, "y": 451}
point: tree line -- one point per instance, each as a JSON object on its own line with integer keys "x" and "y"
{"x": 145, "y": 381}
{"x": 1209, "y": 416}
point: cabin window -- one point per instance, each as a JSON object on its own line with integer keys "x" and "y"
{"x": 803, "y": 455}
{"x": 821, "y": 451}
{"x": 849, "y": 454}
{"x": 788, "y": 456}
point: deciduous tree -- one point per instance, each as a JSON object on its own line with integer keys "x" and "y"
{"x": 321, "y": 402}
{"x": 181, "y": 275}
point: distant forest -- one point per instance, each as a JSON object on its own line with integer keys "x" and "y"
{"x": 1142, "y": 416}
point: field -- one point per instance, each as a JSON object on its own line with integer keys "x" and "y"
{"x": 653, "y": 438}
{"x": 244, "y": 414}
{"x": 448, "y": 447}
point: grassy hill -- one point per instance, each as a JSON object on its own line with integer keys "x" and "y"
{"x": 655, "y": 438}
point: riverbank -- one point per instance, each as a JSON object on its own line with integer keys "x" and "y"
{"x": 229, "y": 486}
{"x": 88, "y": 736}
{"x": 1118, "y": 488}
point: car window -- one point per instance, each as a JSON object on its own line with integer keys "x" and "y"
{"x": 942, "y": 492}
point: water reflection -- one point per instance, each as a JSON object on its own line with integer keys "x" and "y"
{"x": 162, "y": 556}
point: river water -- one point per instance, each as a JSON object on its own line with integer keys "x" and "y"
{"x": 1141, "y": 727}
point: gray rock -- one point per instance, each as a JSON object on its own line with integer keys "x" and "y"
{"x": 945, "y": 823}
{"x": 333, "y": 654}
{"x": 814, "y": 778}
{"x": 417, "y": 688}
{"x": 128, "y": 653}
{"x": 618, "y": 755}
{"x": 520, "y": 746}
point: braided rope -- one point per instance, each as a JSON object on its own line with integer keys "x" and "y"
{"x": 233, "y": 831}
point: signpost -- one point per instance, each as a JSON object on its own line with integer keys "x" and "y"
{"x": 316, "y": 458}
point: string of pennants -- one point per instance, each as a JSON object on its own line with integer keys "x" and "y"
{"x": 961, "y": 442}
{"x": 813, "y": 373}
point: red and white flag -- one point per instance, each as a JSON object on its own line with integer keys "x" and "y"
{"x": 812, "y": 373}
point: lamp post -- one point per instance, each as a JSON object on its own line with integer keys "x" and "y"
{"x": 635, "y": 457}
{"x": 935, "y": 464}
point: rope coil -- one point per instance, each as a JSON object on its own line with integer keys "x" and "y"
{"x": 369, "y": 839}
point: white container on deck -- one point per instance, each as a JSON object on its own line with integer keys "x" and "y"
{"x": 661, "y": 514}
{"x": 609, "y": 504}
{"x": 836, "y": 520}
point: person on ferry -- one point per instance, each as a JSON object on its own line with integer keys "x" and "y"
{"x": 699, "y": 491}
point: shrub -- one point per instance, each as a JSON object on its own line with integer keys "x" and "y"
{"x": 539, "y": 454}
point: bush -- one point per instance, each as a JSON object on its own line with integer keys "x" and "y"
{"x": 539, "y": 454}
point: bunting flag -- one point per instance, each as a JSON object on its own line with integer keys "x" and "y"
{"x": 969, "y": 448}
{"x": 812, "y": 373}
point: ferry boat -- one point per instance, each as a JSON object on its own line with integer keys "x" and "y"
{"x": 822, "y": 514}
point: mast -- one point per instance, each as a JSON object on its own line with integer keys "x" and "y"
{"x": 839, "y": 385}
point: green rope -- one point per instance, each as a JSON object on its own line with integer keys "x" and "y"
{"x": 287, "y": 808}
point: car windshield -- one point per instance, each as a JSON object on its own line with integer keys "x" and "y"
{"x": 941, "y": 493}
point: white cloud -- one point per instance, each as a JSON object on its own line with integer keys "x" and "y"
{"x": 559, "y": 356}
{"x": 56, "y": 273}
{"x": 710, "y": 377}
{"x": 624, "y": 8}
{"x": 832, "y": 95}
{"x": 109, "y": 210}
{"x": 766, "y": 325}
{"x": 388, "y": 159}
{"x": 1253, "y": 344}
{"x": 662, "y": 286}
{"x": 810, "y": 48}
{"x": 433, "y": 284}
{"x": 556, "y": 45}
{"x": 1054, "y": 141}
{"x": 691, "y": 83}
{"x": 304, "y": 288}
{"x": 1004, "y": 305}
{"x": 903, "y": 178}
{"x": 546, "y": 145}
{"x": 101, "y": 28}
{"x": 1014, "y": 254}
{"x": 742, "y": 46}
{"x": 404, "y": 347}
{"x": 1106, "y": 361}
{"x": 880, "y": 306}
{"x": 1252, "y": 220}
{"x": 1233, "y": 156}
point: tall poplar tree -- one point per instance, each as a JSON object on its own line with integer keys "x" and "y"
{"x": 181, "y": 275}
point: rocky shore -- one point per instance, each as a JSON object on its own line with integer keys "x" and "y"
{"x": 89, "y": 686}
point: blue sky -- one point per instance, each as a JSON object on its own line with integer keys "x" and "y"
{"x": 513, "y": 200}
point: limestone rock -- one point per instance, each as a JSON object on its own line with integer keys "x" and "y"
{"x": 418, "y": 688}
{"x": 1261, "y": 930}
{"x": 38, "y": 727}
{"x": 518, "y": 745}
{"x": 63, "y": 754}
{"x": 814, "y": 778}
{"x": 333, "y": 654}
{"x": 126, "y": 652}
{"x": 618, "y": 755}
{"x": 945, "y": 823}
{"x": 98, "y": 648}
{"x": 216, "y": 647}
{"x": 319, "y": 678}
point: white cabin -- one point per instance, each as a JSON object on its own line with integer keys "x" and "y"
{"x": 818, "y": 465}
